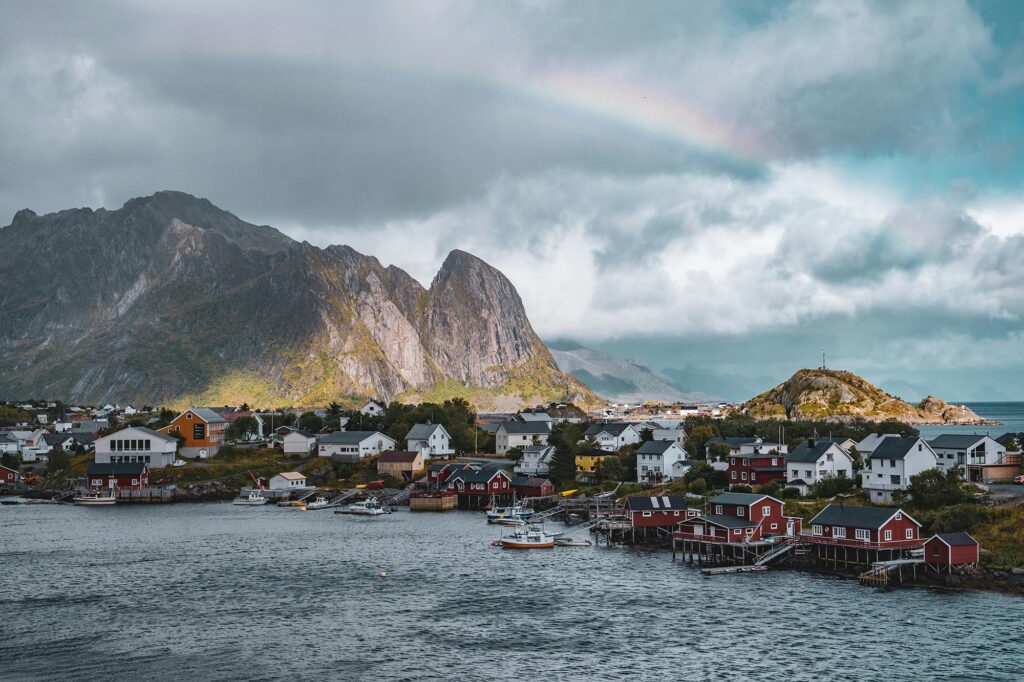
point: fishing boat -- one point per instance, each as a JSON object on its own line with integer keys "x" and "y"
{"x": 369, "y": 507}
{"x": 527, "y": 537}
{"x": 319, "y": 503}
{"x": 509, "y": 516}
{"x": 253, "y": 499}
{"x": 95, "y": 498}
{"x": 572, "y": 542}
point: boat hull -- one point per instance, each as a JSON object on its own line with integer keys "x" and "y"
{"x": 102, "y": 502}
{"x": 518, "y": 544}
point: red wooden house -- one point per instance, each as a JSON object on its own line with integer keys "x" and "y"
{"x": 532, "y": 487}
{"x": 478, "y": 486}
{"x": 657, "y": 512}
{"x": 125, "y": 476}
{"x": 756, "y": 468}
{"x": 9, "y": 476}
{"x": 740, "y": 517}
{"x": 945, "y": 551}
{"x": 866, "y": 527}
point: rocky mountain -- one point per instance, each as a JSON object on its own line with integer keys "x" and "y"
{"x": 837, "y": 395}
{"x": 172, "y": 300}
{"x": 617, "y": 379}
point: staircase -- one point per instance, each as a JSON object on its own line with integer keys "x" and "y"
{"x": 782, "y": 548}
{"x": 402, "y": 495}
{"x": 548, "y": 513}
{"x": 880, "y": 573}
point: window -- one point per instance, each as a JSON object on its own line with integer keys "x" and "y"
{"x": 647, "y": 515}
{"x": 888, "y": 535}
{"x": 753, "y": 475}
{"x": 808, "y": 474}
{"x": 198, "y": 431}
{"x": 741, "y": 511}
{"x": 135, "y": 481}
{"x": 766, "y": 510}
{"x": 863, "y": 534}
{"x": 838, "y": 532}
{"x": 146, "y": 443}
{"x": 495, "y": 485}
{"x": 899, "y": 516}
{"x": 675, "y": 513}
{"x": 732, "y": 460}
{"x": 894, "y": 479}
{"x": 188, "y": 416}
{"x": 892, "y": 463}
{"x": 743, "y": 476}
{"x": 910, "y": 533}
{"x": 919, "y": 447}
{"x": 718, "y": 509}
{"x": 775, "y": 526}
{"x": 828, "y": 457}
{"x": 796, "y": 473}
{"x": 746, "y": 462}
{"x": 775, "y": 462}
{"x": 733, "y": 474}
{"x": 816, "y": 529}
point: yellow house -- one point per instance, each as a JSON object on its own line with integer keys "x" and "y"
{"x": 586, "y": 463}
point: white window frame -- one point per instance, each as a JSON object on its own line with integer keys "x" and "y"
{"x": 766, "y": 510}
{"x": 888, "y": 535}
{"x": 863, "y": 534}
{"x": 816, "y": 530}
{"x": 910, "y": 533}
{"x": 718, "y": 509}
{"x": 839, "y": 532}
{"x": 741, "y": 511}
{"x": 647, "y": 515}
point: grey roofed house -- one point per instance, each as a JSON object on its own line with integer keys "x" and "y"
{"x": 86, "y": 439}
{"x": 398, "y": 457}
{"x": 955, "y": 441}
{"x": 347, "y": 437}
{"x": 957, "y": 539}
{"x": 535, "y": 417}
{"x": 115, "y": 468}
{"x": 662, "y": 503}
{"x": 542, "y": 428}
{"x": 208, "y": 415}
{"x": 475, "y": 475}
{"x": 423, "y": 431}
{"x": 733, "y": 441}
{"x": 726, "y": 521}
{"x": 856, "y": 517}
{"x": 88, "y": 426}
{"x": 1006, "y": 439}
{"x": 895, "y": 448}
{"x": 155, "y": 434}
{"x": 614, "y": 428}
{"x": 654, "y": 447}
{"x": 811, "y": 449}
{"x": 738, "y": 498}
{"x": 52, "y": 439}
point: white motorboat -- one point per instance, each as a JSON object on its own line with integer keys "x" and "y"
{"x": 509, "y": 516}
{"x": 95, "y": 498}
{"x": 319, "y": 503}
{"x": 369, "y": 507}
{"x": 525, "y": 536}
{"x": 253, "y": 499}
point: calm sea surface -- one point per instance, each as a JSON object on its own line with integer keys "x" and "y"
{"x": 1010, "y": 414}
{"x": 212, "y": 591}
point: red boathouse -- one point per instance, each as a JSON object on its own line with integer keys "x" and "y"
{"x": 946, "y": 551}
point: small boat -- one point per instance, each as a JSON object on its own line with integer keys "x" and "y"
{"x": 95, "y": 498}
{"x": 572, "y": 542}
{"x": 369, "y": 507}
{"x": 319, "y": 503}
{"x": 517, "y": 513}
{"x": 527, "y": 537}
{"x": 253, "y": 499}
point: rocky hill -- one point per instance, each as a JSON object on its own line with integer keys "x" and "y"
{"x": 172, "y": 300}
{"x": 837, "y": 395}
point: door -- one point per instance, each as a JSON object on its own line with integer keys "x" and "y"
{"x": 789, "y": 528}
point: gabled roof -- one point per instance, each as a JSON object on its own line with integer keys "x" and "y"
{"x": 474, "y": 475}
{"x": 1006, "y": 438}
{"x": 142, "y": 429}
{"x": 857, "y": 517}
{"x": 300, "y": 432}
{"x": 812, "y": 449}
{"x": 743, "y": 499}
{"x": 398, "y": 457}
{"x": 57, "y": 438}
{"x": 115, "y": 468}
{"x": 797, "y": 481}
{"x": 955, "y": 441}
{"x": 725, "y": 521}
{"x": 423, "y": 431}
{"x": 350, "y": 437}
{"x": 895, "y": 448}
{"x": 539, "y": 428}
{"x": 734, "y": 441}
{"x": 872, "y": 440}
{"x": 614, "y": 428}
{"x": 535, "y": 417}
{"x": 956, "y": 539}
{"x": 208, "y": 415}
{"x": 654, "y": 447}
{"x": 663, "y": 503}
{"x": 292, "y": 476}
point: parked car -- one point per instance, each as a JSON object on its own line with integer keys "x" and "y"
{"x": 375, "y": 484}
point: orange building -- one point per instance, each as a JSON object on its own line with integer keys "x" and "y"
{"x": 202, "y": 429}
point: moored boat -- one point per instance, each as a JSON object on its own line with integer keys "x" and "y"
{"x": 527, "y": 537}
{"x": 506, "y": 516}
{"x": 319, "y": 503}
{"x": 254, "y": 499}
{"x": 95, "y": 498}
{"x": 368, "y": 507}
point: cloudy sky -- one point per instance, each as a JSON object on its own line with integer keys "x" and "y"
{"x": 730, "y": 185}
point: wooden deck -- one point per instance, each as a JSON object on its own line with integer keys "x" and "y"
{"x": 726, "y": 570}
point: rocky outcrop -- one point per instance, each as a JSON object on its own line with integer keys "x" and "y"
{"x": 172, "y": 300}
{"x": 840, "y": 396}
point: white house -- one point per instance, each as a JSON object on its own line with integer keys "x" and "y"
{"x": 892, "y": 464}
{"x": 520, "y": 435}
{"x": 677, "y": 436}
{"x": 971, "y": 453}
{"x": 871, "y": 441}
{"x": 61, "y": 426}
{"x": 655, "y": 460}
{"x": 8, "y": 444}
{"x": 816, "y": 459}
{"x": 431, "y": 440}
{"x": 536, "y": 460}
{"x": 352, "y": 446}
{"x": 136, "y": 444}
{"x": 372, "y": 409}
{"x": 680, "y": 467}
{"x": 287, "y": 480}
{"x": 297, "y": 442}
{"x": 611, "y": 436}
{"x": 32, "y": 445}
{"x": 745, "y": 445}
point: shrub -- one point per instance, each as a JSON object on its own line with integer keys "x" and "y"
{"x": 832, "y": 486}
{"x": 960, "y": 518}
{"x": 740, "y": 489}
{"x": 790, "y": 493}
{"x": 698, "y": 486}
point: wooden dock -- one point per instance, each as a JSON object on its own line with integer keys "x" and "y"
{"x": 726, "y": 570}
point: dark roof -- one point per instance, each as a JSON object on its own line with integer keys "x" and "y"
{"x": 208, "y": 415}
{"x": 85, "y": 438}
{"x": 56, "y": 438}
{"x": 894, "y": 448}
{"x": 767, "y": 470}
{"x": 663, "y": 503}
{"x": 526, "y": 427}
{"x": 725, "y": 521}
{"x": 654, "y": 447}
{"x": 738, "y": 498}
{"x": 473, "y": 475}
{"x": 1006, "y": 438}
{"x": 955, "y": 441}
{"x": 957, "y": 539}
{"x": 733, "y": 441}
{"x": 614, "y": 428}
{"x": 422, "y": 431}
{"x": 116, "y": 469}
{"x": 856, "y": 517}
{"x": 797, "y": 481}
{"x": 398, "y": 457}
{"x": 811, "y": 449}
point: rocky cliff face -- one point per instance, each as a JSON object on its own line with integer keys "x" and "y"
{"x": 836, "y": 395}
{"x": 170, "y": 299}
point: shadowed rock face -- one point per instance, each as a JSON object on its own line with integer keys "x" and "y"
{"x": 171, "y": 299}
{"x": 837, "y": 395}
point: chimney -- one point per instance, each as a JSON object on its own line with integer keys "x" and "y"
{"x": 810, "y": 442}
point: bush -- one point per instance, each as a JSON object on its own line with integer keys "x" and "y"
{"x": 773, "y": 488}
{"x": 961, "y": 518}
{"x": 790, "y": 493}
{"x": 741, "y": 489}
{"x": 832, "y": 486}
{"x": 698, "y": 486}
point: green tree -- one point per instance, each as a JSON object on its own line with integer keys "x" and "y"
{"x": 696, "y": 438}
{"x": 242, "y": 426}
{"x": 308, "y": 421}
{"x": 610, "y": 469}
{"x": 933, "y": 489}
{"x": 11, "y": 460}
{"x": 705, "y": 471}
{"x": 563, "y": 467}
{"x": 646, "y": 435}
{"x": 514, "y": 454}
{"x": 719, "y": 451}
{"x": 57, "y": 460}
{"x": 697, "y": 486}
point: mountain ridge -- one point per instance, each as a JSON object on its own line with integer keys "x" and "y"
{"x": 170, "y": 299}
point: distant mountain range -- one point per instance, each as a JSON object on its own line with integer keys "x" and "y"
{"x": 172, "y": 300}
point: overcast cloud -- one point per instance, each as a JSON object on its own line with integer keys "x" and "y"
{"x": 663, "y": 179}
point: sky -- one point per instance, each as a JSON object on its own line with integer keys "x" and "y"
{"x": 728, "y": 185}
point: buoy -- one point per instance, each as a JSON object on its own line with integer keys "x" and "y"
{"x": 302, "y": 508}
{"x": 383, "y": 574}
